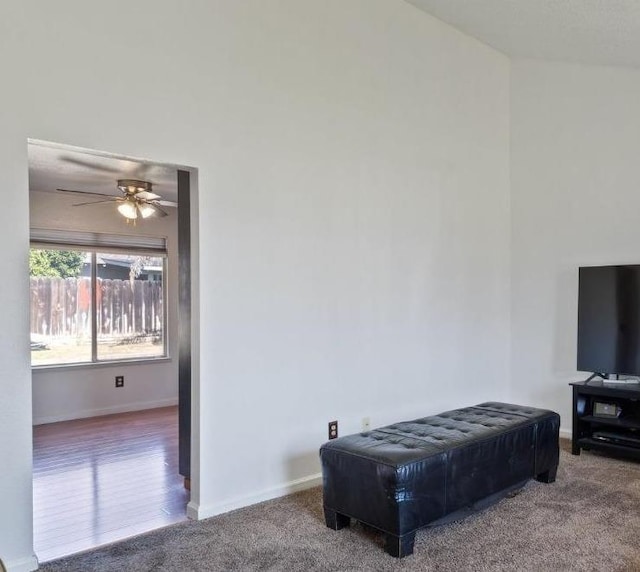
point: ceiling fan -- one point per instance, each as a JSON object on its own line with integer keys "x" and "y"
{"x": 137, "y": 199}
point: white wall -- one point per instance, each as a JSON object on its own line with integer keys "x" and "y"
{"x": 84, "y": 391}
{"x": 354, "y": 213}
{"x": 575, "y": 201}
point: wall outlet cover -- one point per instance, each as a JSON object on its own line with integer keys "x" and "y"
{"x": 333, "y": 429}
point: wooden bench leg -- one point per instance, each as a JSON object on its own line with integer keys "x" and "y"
{"x": 548, "y": 476}
{"x": 399, "y": 546}
{"x": 335, "y": 520}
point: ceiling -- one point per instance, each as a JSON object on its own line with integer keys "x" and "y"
{"x": 53, "y": 167}
{"x": 594, "y": 32}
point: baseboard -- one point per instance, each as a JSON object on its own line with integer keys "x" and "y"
{"x": 27, "y": 564}
{"x": 124, "y": 408}
{"x": 198, "y": 512}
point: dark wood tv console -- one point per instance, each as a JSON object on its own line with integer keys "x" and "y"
{"x": 606, "y": 417}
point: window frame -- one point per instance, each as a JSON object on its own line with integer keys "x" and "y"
{"x": 98, "y": 243}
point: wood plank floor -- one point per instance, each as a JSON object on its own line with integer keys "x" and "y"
{"x": 102, "y": 479}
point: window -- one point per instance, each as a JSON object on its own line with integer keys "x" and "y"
{"x": 95, "y": 303}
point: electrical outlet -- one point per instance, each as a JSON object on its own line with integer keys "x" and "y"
{"x": 366, "y": 424}
{"x": 333, "y": 429}
{"x": 119, "y": 380}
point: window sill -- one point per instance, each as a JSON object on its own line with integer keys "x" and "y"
{"x": 100, "y": 364}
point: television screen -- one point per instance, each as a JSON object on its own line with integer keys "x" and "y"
{"x": 609, "y": 319}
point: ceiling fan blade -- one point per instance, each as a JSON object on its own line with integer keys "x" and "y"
{"x": 88, "y": 164}
{"x": 84, "y": 192}
{"x": 146, "y": 195}
{"x": 166, "y": 203}
{"x": 159, "y": 211}
{"x": 111, "y": 200}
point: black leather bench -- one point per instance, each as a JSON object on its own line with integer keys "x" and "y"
{"x": 428, "y": 471}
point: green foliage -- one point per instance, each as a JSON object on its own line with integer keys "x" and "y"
{"x": 55, "y": 263}
{"x": 39, "y": 264}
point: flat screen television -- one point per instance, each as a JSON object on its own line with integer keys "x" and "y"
{"x": 609, "y": 320}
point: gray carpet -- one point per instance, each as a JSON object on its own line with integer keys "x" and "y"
{"x": 588, "y": 520}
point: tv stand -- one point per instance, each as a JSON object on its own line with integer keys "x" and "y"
{"x": 606, "y": 417}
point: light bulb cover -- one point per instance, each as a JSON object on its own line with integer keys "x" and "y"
{"x": 146, "y": 210}
{"x": 128, "y": 210}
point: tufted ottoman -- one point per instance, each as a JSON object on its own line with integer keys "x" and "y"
{"x": 428, "y": 471}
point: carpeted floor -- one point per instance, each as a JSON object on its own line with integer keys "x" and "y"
{"x": 589, "y": 519}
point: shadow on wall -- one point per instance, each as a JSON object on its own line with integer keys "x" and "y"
{"x": 565, "y": 312}
{"x": 303, "y": 468}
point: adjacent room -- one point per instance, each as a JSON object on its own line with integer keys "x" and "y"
{"x": 390, "y": 203}
{"x": 104, "y": 343}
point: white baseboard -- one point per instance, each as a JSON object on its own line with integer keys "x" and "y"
{"x": 198, "y": 512}
{"x": 123, "y": 408}
{"x": 27, "y": 564}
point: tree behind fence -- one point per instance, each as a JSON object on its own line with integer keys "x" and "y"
{"x": 62, "y": 307}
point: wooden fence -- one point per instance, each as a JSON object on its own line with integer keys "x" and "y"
{"x": 62, "y": 307}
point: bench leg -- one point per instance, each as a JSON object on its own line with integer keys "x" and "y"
{"x": 335, "y": 520}
{"x": 548, "y": 476}
{"x": 399, "y": 546}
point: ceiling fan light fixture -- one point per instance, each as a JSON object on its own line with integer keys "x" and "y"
{"x": 128, "y": 210}
{"x": 137, "y": 200}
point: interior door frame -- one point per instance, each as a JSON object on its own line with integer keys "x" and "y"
{"x": 184, "y": 325}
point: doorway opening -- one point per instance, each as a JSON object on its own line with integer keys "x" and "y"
{"x": 110, "y": 345}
